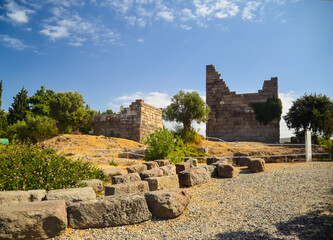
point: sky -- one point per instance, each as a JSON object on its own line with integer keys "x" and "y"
{"x": 115, "y": 51}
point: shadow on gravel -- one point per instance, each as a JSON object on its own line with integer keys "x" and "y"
{"x": 312, "y": 226}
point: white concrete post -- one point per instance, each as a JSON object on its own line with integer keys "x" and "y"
{"x": 308, "y": 147}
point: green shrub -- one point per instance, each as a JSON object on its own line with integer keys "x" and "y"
{"x": 328, "y": 145}
{"x": 182, "y": 150}
{"x": 188, "y": 135}
{"x": 160, "y": 144}
{"x": 26, "y": 166}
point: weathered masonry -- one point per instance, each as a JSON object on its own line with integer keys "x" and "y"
{"x": 232, "y": 116}
{"x": 135, "y": 122}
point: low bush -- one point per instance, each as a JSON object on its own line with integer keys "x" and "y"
{"x": 26, "y": 167}
{"x": 160, "y": 144}
{"x": 327, "y": 145}
{"x": 182, "y": 150}
{"x": 188, "y": 135}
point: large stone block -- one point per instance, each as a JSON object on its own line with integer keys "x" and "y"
{"x": 13, "y": 197}
{"x": 242, "y": 161}
{"x": 137, "y": 168}
{"x": 151, "y": 165}
{"x": 193, "y": 162}
{"x": 257, "y": 165}
{"x": 161, "y": 183}
{"x": 168, "y": 203}
{"x": 193, "y": 176}
{"x": 225, "y": 171}
{"x": 109, "y": 211}
{"x": 162, "y": 162}
{"x": 211, "y": 170}
{"x": 33, "y": 220}
{"x": 126, "y": 178}
{"x": 71, "y": 195}
{"x": 182, "y": 166}
{"x": 124, "y": 188}
{"x": 95, "y": 184}
{"x": 169, "y": 170}
{"x": 155, "y": 172}
{"x": 112, "y": 172}
{"x": 212, "y": 160}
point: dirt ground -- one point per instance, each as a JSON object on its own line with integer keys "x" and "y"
{"x": 102, "y": 150}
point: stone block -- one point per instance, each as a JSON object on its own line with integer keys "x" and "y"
{"x": 109, "y": 211}
{"x": 137, "y": 168}
{"x": 168, "y": 203}
{"x": 212, "y": 160}
{"x": 151, "y": 165}
{"x": 110, "y": 172}
{"x": 193, "y": 176}
{"x": 168, "y": 170}
{"x": 95, "y": 184}
{"x": 162, "y": 162}
{"x": 211, "y": 170}
{"x": 193, "y": 162}
{"x": 164, "y": 182}
{"x": 124, "y": 188}
{"x": 182, "y": 166}
{"x": 155, "y": 172}
{"x": 242, "y": 161}
{"x": 225, "y": 171}
{"x": 126, "y": 178}
{"x": 257, "y": 165}
{"x": 71, "y": 195}
{"x": 33, "y": 220}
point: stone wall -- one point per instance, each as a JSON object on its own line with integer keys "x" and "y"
{"x": 135, "y": 122}
{"x": 232, "y": 117}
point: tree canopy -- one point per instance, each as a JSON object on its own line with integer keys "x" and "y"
{"x": 69, "y": 111}
{"x": 314, "y": 112}
{"x": 185, "y": 108}
{"x": 40, "y": 102}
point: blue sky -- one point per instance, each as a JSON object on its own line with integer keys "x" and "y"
{"x": 115, "y": 51}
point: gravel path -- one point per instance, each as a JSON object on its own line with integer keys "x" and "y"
{"x": 289, "y": 201}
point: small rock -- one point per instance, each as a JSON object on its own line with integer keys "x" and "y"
{"x": 123, "y": 188}
{"x": 151, "y": 165}
{"x": 126, "y": 178}
{"x": 257, "y": 165}
{"x": 155, "y": 172}
{"x": 162, "y": 162}
{"x": 137, "y": 168}
{"x": 95, "y": 184}
{"x": 225, "y": 171}
{"x": 182, "y": 166}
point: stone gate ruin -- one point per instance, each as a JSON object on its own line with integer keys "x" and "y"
{"x": 232, "y": 116}
{"x": 135, "y": 122}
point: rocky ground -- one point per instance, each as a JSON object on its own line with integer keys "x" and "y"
{"x": 101, "y": 150}
{"x": 288, "y": 201}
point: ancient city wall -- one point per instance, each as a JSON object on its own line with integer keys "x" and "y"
{"x": 232, "y": 117}
{"x": 135, "y": 122}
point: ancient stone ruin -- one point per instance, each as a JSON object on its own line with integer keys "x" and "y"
{"x": 232, "y": 116}
{"x": 135, "y": 122}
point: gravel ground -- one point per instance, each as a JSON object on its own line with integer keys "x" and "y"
{"x": 288, "y": 201}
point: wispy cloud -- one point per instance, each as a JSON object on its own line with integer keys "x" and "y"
{"x": 249, "y": 12}
{"x": 14, "y": 43}
{"x": 15, "y": 13}
{"x": 67, "y": 24}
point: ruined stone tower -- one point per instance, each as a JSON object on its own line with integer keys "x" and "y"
{"x": 232, "y": 117}
{"x": 135, "y": 122}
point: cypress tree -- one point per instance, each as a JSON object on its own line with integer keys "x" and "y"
{"x": 19, "y": 108}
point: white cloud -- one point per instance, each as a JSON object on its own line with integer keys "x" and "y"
{"x": 65, "y": 24}
{"x": 184, "y": 26}
{"x": 140, "y": 40}
{"x": 250, "y": 9}
{"x": 155, "y": 99}
{"x": 287, "y": 101}
{"x": 15, "y": 13}
{"x": 13, "y": 42}
{"x": 166, "y": 15}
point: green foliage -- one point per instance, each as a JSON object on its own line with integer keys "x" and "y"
{"x": 187, "y": 135}
{"x": 0, "y": 93}
{"x": 26, "y": 166}
{"x": 108, "y": 111}
{"x": 268, "y": 111}
{"x": 182, "y": 150}
{"x": 68, "y": 109}
{"x": 34, "y": 128}
{"x": 328, "y": 145}
{"x": 160, "y": 144}
{"x": 113, "y": 163}
{"x": 3, "y": 123}
{"x": 314, "y": 112}
{"x": 40, "y": 102}
{"x": 186, "y": 108}
{"x": 19, "y": 108}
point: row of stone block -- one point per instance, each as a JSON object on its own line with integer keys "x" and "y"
{"x": 47, "y": 219}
